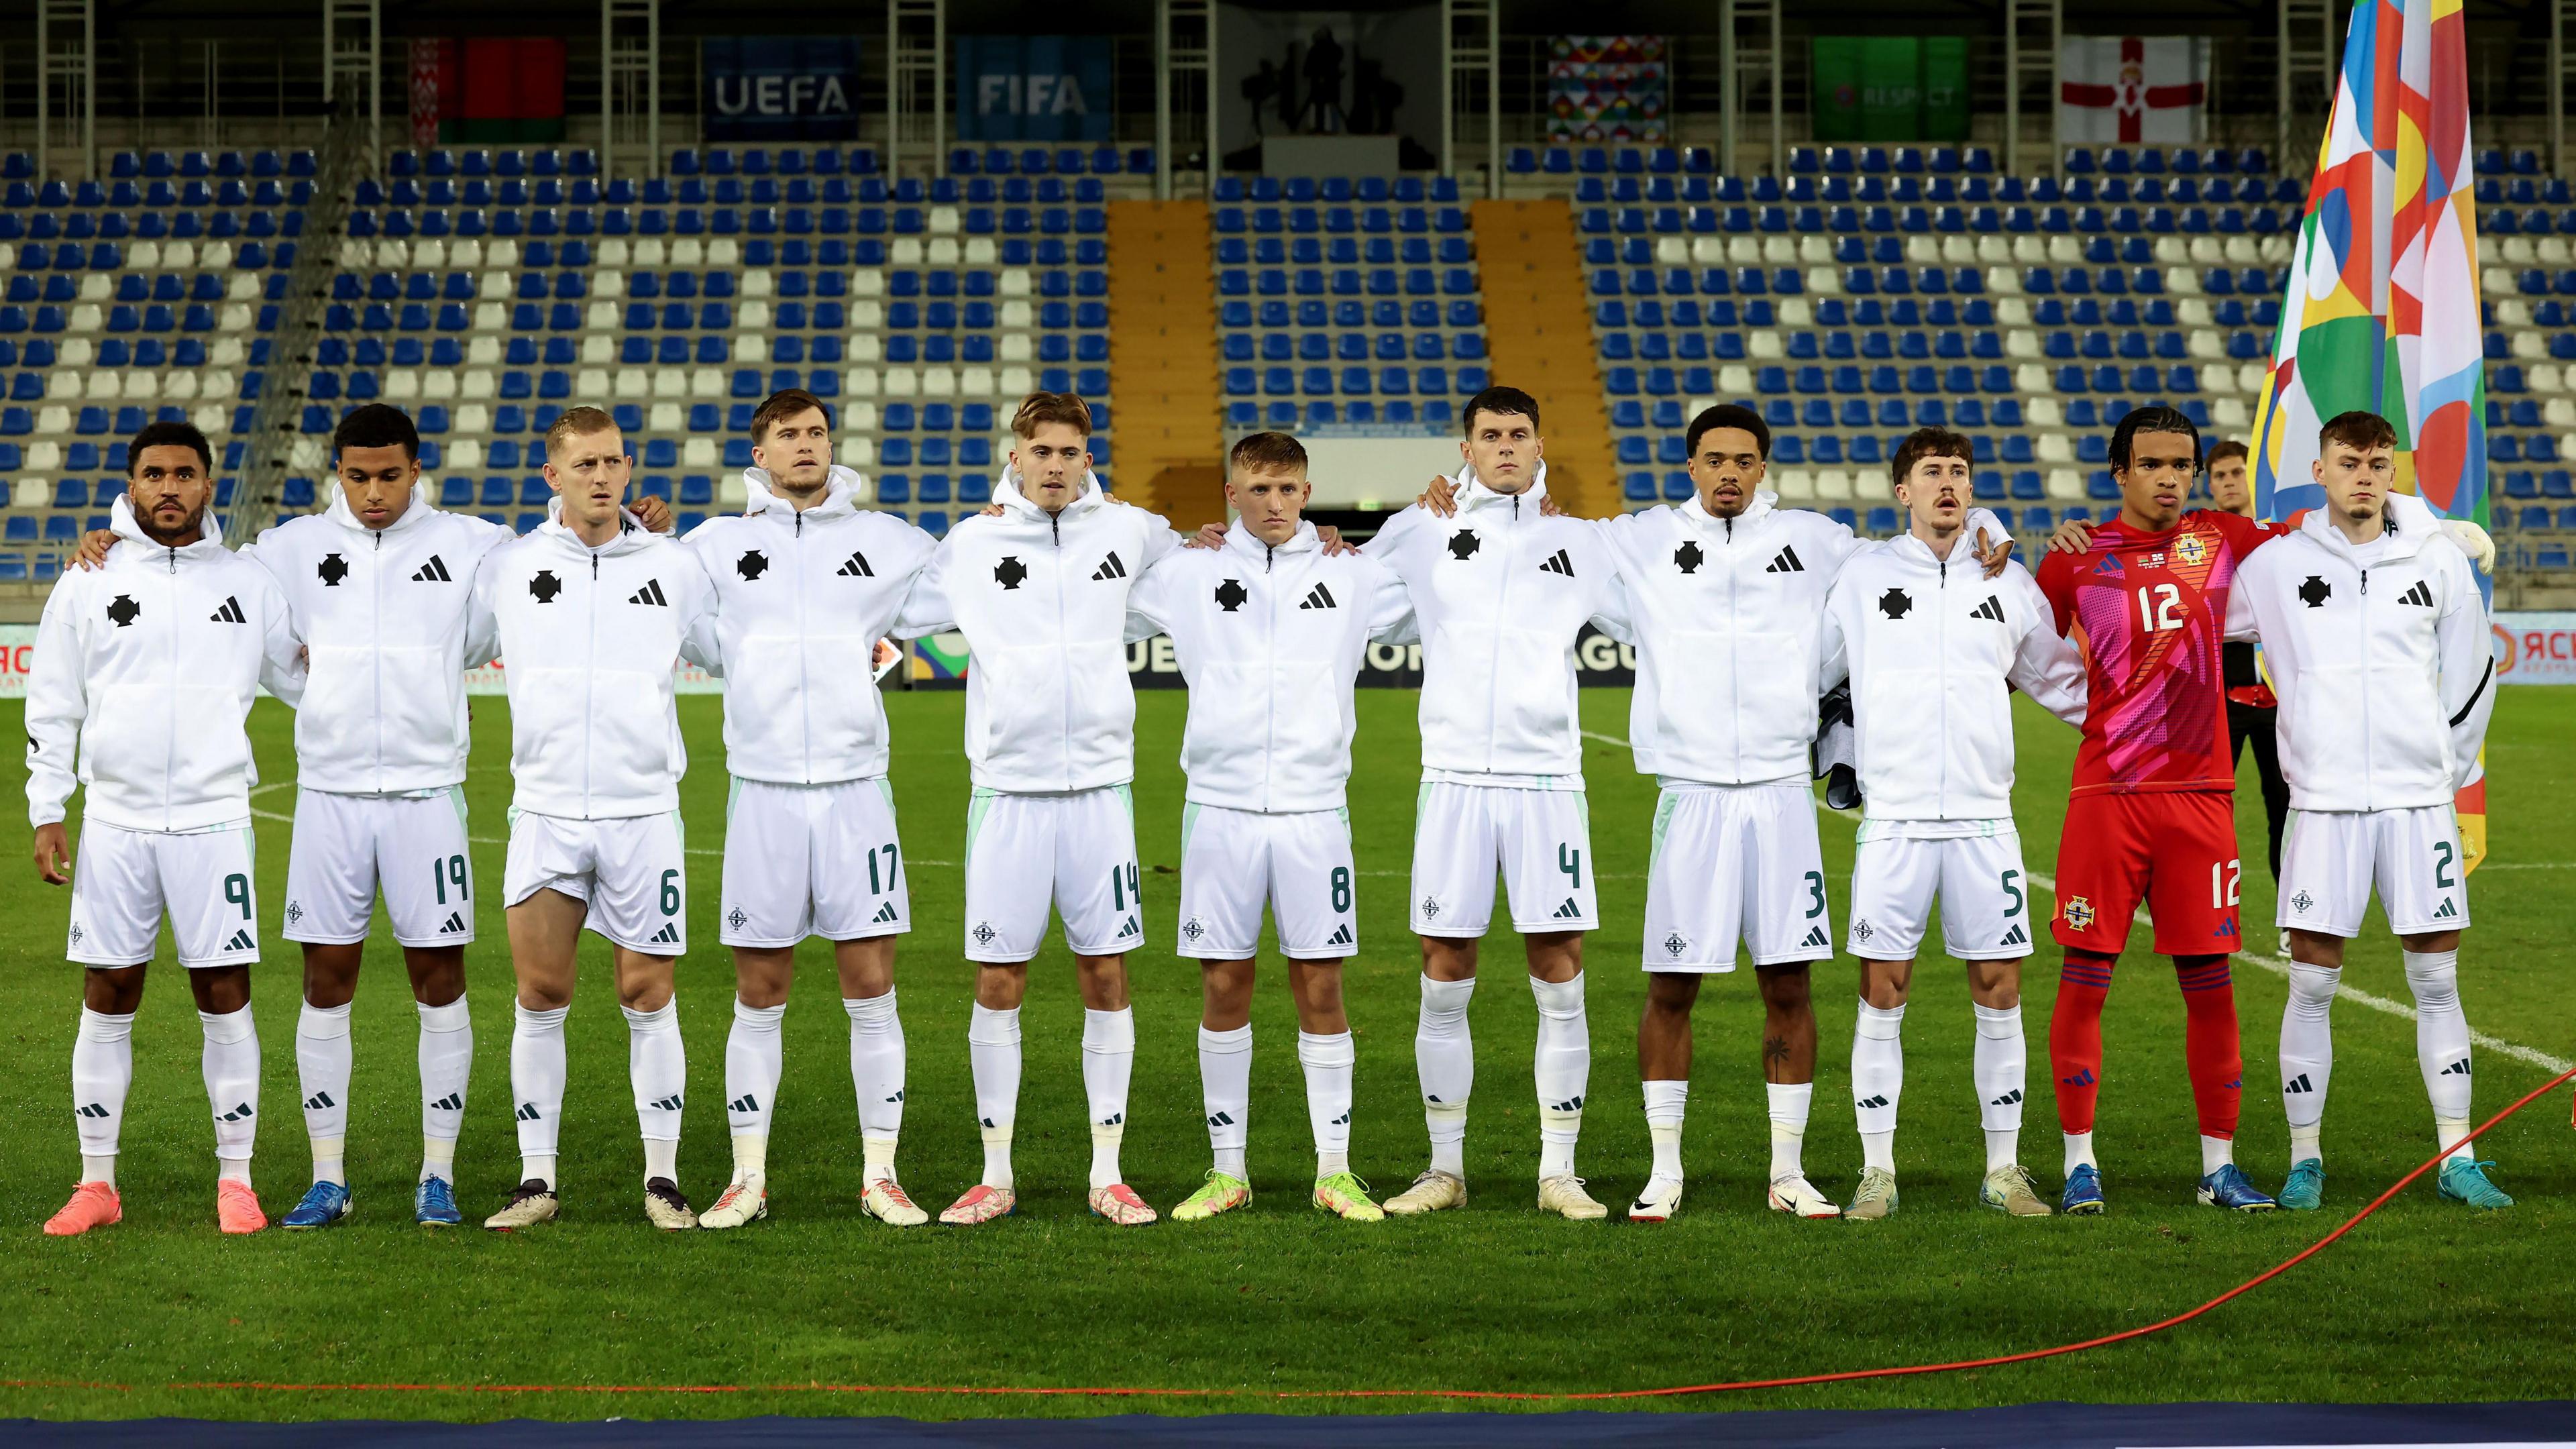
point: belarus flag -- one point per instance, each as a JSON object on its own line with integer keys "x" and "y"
{"x": 2124, "y": 90}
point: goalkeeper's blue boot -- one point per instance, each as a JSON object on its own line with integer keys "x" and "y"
{"x": 2229, "y": 1188}
{"x": 2465, "y": 1182}
{"x": 325, "y": 1204}
{"x": 2305, "y": 1191}
{"x": 433, "y": 1204}
{"x": 2083, "y": 1193}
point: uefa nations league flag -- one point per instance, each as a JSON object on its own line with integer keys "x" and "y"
{"x": 781, "y": 89}
{"x": 2130, "y": 90}
{"x": 2382, "y": 308}
{"x": 1032, "y": 87}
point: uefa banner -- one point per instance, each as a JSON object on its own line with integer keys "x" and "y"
{"x": 780, "y": 89}
{"x": 1033, "y": 87}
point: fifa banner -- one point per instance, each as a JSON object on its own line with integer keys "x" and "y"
{"x": 2130, "y": 90}
{"x": 1607, "y": 88}
{"x": 780, "y": 89}
{"x": 2535, "y": 648}
{"x": 941, "y": 661}
{"x": 1033, "y": 87}
{"x": 1882, "y": 88}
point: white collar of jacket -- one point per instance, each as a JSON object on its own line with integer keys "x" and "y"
{"x": 1240, "y": 540}
{"x": 840, "y": 495}
{"x": 1764, "y": 500}
{"x": 1472, "y": 493}
{"x": 342, "y": 514}
{"x": 125, "y": 525}
{"x": 2405, "y": 539}
{"x": 631, "y": 532}
{"x": 1918, "y": 553}
{"x": 1006, "y": 492}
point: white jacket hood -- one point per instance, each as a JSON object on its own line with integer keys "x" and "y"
{"x": 1006, "y": 492}
{"x": 840, "y": 497}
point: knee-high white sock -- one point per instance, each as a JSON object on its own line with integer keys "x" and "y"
{"x": 1108, "y": 1060}
{"x": 1878, "y": 1080}
{"x": 322, "y": 1053}
{"x": 993, "y": 1049}
{"x": 1225, "y": 1085}
{"x": 537, "y": 1072}
{"x": 1666, "y": 1097}
{"x": 2000, "y": 1068}
{"x": 659, "y": 1072}
{"x": 2442, "y": 1044}
{"x": 2307, "y": 1054}
{"x": 755, "y": 1055}
{"x": 1788, "y": 1103}
{"x": 1562, "y": 1068}
{"x": 231, "y": 1066}
{"x": 876, "y": 1074}
{"x": 102, "y": 1072}
{"x": 446, "y": 1061}
{"x": 1328, "y": 1061}
{"x": 1445, "y": 1058}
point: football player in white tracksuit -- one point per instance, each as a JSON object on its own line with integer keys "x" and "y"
{"x": 1728, "y": 593}
{"x": 144, "y": 673}
{"x": 588, "y": 615}
{"x": 1501, "y": 591}
{"x": 1934, "y": 650}
{"x": 2375, "y": 637}
{"x": 1040, "y": 590}
{"x": 1270, "y": 632}
{"x": 806, "y": 584}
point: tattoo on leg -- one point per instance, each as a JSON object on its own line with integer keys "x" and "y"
{"x": 1775, "y": 1057}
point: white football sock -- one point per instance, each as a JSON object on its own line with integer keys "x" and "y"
{"x": 446, "y": 1061}
{"x": 1225, "y": 1085}
{"x": 1328, "y": 1061}
{"x": 1562, "y": 1068}
{"x": 2000, "y": 1067}
{"x": 231, "y": 1068}
{"x": 1878, "y": 1080}
{"x": 2215, "y": 1153}
{"x": 658, "y": 1070}
{"x": 1445, "y": 1058}
{"x": 755, "y": 1056}
{"x": 102, "y": 1073}
{"x": 876, "y": 1074}
{"x": 1788, "y": 1102}
{"x": 2307, "y": 1055}
{"x": 1108, "y": 1060}
{"x": 993, "y": 1049}
{"x": 1665, "y": 1100}
{"x": 2079, "y": 1152}
{"x": 2442, "y": 1045}
{"x": 537, "y": 1072}
{"x": 322, "y": 1053}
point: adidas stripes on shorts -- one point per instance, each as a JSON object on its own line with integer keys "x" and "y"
{"x": 1972, "y": 867}
{"x": 1540, "y": 841}
{"x": 1075, "y": 851}
{"x": 2330, "y": 859}
{"x": 122, "y": 881}
{"x": 632, "y": 872}
{"x": 1735, "y": 862}
{"x": 811, "y": 860}
{"x": 1235, "y": 861}
{"x": 347, "y": 847}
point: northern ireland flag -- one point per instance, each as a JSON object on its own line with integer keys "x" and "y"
{"x": 2128, "y": 90}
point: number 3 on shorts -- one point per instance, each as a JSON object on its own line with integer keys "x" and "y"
{"x": 1816, "y": 893}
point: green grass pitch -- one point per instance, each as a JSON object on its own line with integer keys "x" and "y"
{"x": 2424, "y": 1302}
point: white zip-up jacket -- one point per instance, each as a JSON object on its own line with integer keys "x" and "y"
{"x": 1934, "y": 649}
{"x": 382, "y": 614}
{"x": 1042, "y": 600}
{"x": 587, "y": 639}
{"x": 1729, "y": 614}
{"x": 1501, "y": 591}
{"x": 1271, "y": 641}
{"x": 2384, "y": 668}
{"x": 145, "y": 670}
{"x": 801, "y": 600}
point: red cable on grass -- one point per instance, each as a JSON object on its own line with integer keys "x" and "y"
{"x": 1489, "y": 1395}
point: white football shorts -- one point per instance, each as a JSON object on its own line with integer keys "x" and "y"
{"x": 1074, "y": 851}
{"x": 1540, "y": 841}
{"x": 346, "y": 847}
{"x": 1735, "y": 862}
{"x": 632, "y": 872}
{"x": 811, "y": 860}
{"x": 2333, "y": 857}
{"x": 1232, "y": 861}
{"x": 1978, "y": 879}
{"x": 123, "y": 880}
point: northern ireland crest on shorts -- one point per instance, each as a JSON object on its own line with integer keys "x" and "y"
{"x": 2079, "y": 913}
{"x": 1675, "y": 945}
{"x": 1194, "y": 930}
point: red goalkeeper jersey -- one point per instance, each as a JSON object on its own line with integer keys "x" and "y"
{"x": 2152, "y": 611}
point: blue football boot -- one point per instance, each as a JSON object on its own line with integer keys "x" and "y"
{"x": 433, "y": 1205}
{"x": 2083, "y": 1195}
{"x": 2465, "y": 1182}
{"x": 2305, "y": 1191}
{"x": 2230, "y": 1188}
{"x": 325, "y": 1204}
